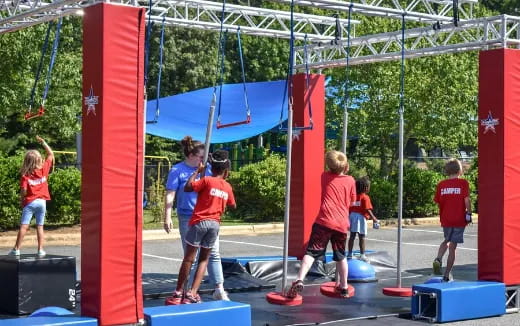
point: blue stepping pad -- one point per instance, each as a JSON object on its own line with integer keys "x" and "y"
{"x": 359, "y": 271}
{"x": 328, "y": 255}
{"x": 227, "y": 313}
{"x": 51, "y": 311}
{"x": 435, "y": 279}
{"x": 246, "y": 259}
{"x": 458, "y": 300}
{"x": 49, "y": 321}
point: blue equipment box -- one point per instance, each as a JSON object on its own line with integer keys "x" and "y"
{"x": 444, "y": 302}
{"x": 227, "y": 313}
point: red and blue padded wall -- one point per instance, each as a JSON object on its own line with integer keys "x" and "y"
{"x": 308, "y": 157}
{"x": 112, "y": 177}
{"x": 499, "y": 166}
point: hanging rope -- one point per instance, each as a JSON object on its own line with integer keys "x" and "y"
{"x": 456, "y": 12}
{"x": 159, "y": 75}
{"x": 149, "y": 28}
{"x": 289, "y": 80}
{"x": 41, "y": 110}
{"x": 246, "y": 101}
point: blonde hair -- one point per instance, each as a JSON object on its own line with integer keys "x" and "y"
{"x": 453, "y": 166}
{"x": 33, "y": 160}
{"x": 336, "y": 161}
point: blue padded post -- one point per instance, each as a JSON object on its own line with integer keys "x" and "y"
{"x": 49, "y": 321}
{"x": 459, "y": 300}
{"x": 227, "y": 313}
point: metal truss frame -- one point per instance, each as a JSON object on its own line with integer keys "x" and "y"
{"x": 482, "y": 33}
{"x": 206, "y": 15}
{"x": 427, "y": 11}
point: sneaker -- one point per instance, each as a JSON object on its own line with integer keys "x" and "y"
{"x": 175, "y": 299}
{"x": 14, "y": 252}
{"x": 349, "y": 255}
{"x": 295, "y": 289}
{"x": 437, "y": 267}
{"x": 364, "y": 258}
{"x": 220, "y": 294}
{"x": 190, "y": 298}
{"x": 448, "y": 278}
{"x": 41, "y": 253}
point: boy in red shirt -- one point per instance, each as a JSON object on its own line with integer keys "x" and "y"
{"x": 214, "y": 194}
{"x": 452, "y": 196}
{"x": 360, "y": 211}
{"x": 34, "y": 192}
{"x": 332, "y": 224}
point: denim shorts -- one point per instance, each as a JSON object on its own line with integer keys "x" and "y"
{"x": 203, "y": 234}
{"x": 358, "y": 223}
{"x": 37, "y": 207}
{"x": 455, "y": 235}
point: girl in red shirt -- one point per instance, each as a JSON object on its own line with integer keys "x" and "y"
{"x": 34, "y": 192}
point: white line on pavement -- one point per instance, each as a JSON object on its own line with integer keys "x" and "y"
{"x": 429, "y": 231}
{"x": 161, "y": 257}
{"x": 419, "y": 244}
{"x": 252, "y": 244}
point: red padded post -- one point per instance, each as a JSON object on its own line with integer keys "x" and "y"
{"x": 307, "y": 160}
{"x": 499, "y": 166}
{"x": 111, "y": 192}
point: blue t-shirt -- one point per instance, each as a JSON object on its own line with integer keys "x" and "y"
{"x": 177, "y": 177}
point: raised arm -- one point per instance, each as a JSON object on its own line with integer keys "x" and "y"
{"x": 48, "y": 150}
{"x": 193, "y": 177}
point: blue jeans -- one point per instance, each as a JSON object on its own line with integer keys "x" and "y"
{"x": 216, "y": 276}
{"x": 37, "y": 207}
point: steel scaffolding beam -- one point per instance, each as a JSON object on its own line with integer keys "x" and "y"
{"x": 199, "y": 14}
{"x": 427, "y": 11}
{"x": 476, "y": 34}
{"x": 253, "y": 21}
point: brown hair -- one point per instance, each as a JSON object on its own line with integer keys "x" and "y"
{"x": 453, "y": 166}
{"x": 33, "y": 160}
{"x": 190, "y": 146}
{"x": 336, "y": 161}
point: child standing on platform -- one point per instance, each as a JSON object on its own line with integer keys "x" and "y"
{"x": 332, "y": 223}
{"x": 360, "y": 211}
{"x": 34, "y": 192}
{"x": 214, "y": 194}
{"x": 452, "y": 197}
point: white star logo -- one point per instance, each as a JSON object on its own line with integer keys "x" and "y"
{"x": 489, "y": 123}
{"x": 91, "y": 101}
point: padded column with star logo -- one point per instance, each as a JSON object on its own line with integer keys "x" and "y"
{"x": 499, "y": 166}
{"x": 308, "y": 157}
{"x": 112, "y": 165}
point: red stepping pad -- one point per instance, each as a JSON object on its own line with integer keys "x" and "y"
{"x": 171, "y": 301}
{"x": 398, "y": 292}
{"x": 328, "y": 289}
{"x": 279, "y": 299}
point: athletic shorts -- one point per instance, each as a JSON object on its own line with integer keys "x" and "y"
{"x": 203, "y": 234}
{"x": 455, "y": 235}
{"x": 358, "y": 223}
{"x": 36, "y": 208}
{"x": 320, "y": 237}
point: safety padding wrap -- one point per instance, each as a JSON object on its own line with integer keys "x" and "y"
{"x": 499, "y": 166}
{"x": 307, "y": 160}
{"x": 227, "y": 313}
{"x": 112, "y": 163}
{"x": 444, "y": 302}
{"x": 246, "y": 259}
{"x": 49, "y": 321}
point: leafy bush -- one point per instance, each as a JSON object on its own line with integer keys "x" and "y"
{"x": 419, "y": 189}
{"x": 10, "y": 209}
{"x": 383, "y": 194}
{"x": 259, "y": 190}
{"x": 65, "y": 189}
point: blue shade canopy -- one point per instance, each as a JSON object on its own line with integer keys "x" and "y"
{"x": 187, "y": 114}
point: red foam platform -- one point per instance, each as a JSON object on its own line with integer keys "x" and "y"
{"x": 328, "y": 289}
{"x": 279, "y": 299}
{"x": 398, "y": 292}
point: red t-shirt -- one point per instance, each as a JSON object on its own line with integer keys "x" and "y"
{"x": 36, "y": 184}
{"x": 337, "y": 192}
{"x": 361, "y": 205}
{"x": 450, "y": 196}
{"x": 213, "y": 196}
